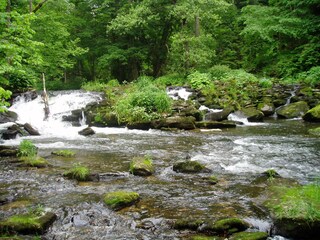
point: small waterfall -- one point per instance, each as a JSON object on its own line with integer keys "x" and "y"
{"x": 177, "y": 93}
{"x": 60, "y": 103}
{"x": 83, "y": 119}
{"x": 292, "y": 94}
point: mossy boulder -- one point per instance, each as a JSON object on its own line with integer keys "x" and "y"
{"x": 228, "y": 226}
{"x": 213, "y": 180}
{"x": 315, "y": 131}
{"x": 63, "y": 153}
{"x": 249, "y": 236}
{"x": 120, "y": 199}
{"x": 252, "y": 114}
{"x": 143, "y": 125}
{"x": 34, "y": 161}
{"x": 78, "y": 172}
{"x": 186, "y": 109}
{"x": 266, "y": 107}
{"x": 293, "y": 110}
{"x": 187, "y": 223}
{"x": 313, "y": 115}
{"x": 176, "y": 122}
{"x": 190, "y": 167}
{"x": 27, "y": 224}
{"x": 141, "y": 166}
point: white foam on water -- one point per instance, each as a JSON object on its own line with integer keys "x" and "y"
{"x": 244, "y": 120}
{"x": 179, "y": 92}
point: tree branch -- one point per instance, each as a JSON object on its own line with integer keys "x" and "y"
{"x": 39, "y": 6}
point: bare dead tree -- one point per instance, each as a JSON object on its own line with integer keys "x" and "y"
{"x": 45, "y": 99}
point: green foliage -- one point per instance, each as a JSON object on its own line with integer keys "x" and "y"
{"x": 64, "y": 153}
{"x": 34, "y": 161}
{"x": 4, "y": 94}
{"x": 311, "y": 77}
{"x": 299, "y": 203}
{"x": 199, "y": 80}
{"x": 265, "y": 82}
{"x": 142, "y": 102}
{"x": 94, "y": 86}
{"x": 27, "y": 149}
{"x": 170, "y": 80}
{"x": 219, "y": 72}
{"x": 78, "y": 172}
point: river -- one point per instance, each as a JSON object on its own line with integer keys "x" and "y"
{"x": 236, "y": 156}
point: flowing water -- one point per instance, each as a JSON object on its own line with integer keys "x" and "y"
{"x": 236, "y": 156}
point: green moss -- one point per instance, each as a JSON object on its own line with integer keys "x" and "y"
{"x": 249, "y": 236}
{"x": 302, "y": 202}
{"x": 230, "y": 225}
{"x": 188, "y": 167}
{"x": 64, "y": 153}
{"x": 78, "y": 172}
{"x": 120, "y": 199}
{"x": 213, "y": 179}
{"x": 141, "y": 166}
{"x": 205, "y": 238}
{"x": 192, "y": 224}
{"x": 27, "y": 223}
{"x": 313, "y": 115}
{"x": 315, "y": 131}
{"x": 34, "y": 161}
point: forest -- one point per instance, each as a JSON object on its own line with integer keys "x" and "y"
{"x": 77, "y": 41}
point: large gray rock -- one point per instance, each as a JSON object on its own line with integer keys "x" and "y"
{"x": 293, "y": 110}
{"x": 252, "y": 114}
{"x": 87, "y": 131}
{"x": 8, "y": 116}
{"x": 218, "y": 116}
{"x": 31, "y": 130}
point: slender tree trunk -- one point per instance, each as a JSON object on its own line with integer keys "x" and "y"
{"x": 39, "y": 6}
{"x": 45, "y": 99}
{"x": 8, "y": 11}
{"x": 30, "y": 6}
{"x": 197, "y": 26}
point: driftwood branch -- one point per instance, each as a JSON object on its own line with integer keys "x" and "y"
{"x": 45, "y": 99}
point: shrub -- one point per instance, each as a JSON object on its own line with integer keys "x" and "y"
{"x": 198, "y": 80}
{"x": 218, "y": 72}
{"x": 170, "y": 80}
{"x": 27, "y": 149}
{"x": 94, "y": 86}
{"x": 313, "y": 76}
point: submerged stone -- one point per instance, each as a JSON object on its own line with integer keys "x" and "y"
{"x": 27, "y": 224}
{"x": 141, "y": 166}
{"x": 190, "y": 167}
{"x": 252, "y": 114}
{"x": 216, "y": 124}
{"x": 293, "y": 110}
{"x": 228, "y": 226}
{"x": 120, "y": 199}
{"x": 249, "y": 236}
{"x": 191, "y": 224}
{"x": 6, "y": 151}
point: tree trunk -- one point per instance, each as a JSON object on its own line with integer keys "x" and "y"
{"x": 30, "y": 6}
{"x": 197, "y": 26}
{"x": 45, "y": 99}
{"x": 8, "y": 11}
{"x": 39, "y": 6}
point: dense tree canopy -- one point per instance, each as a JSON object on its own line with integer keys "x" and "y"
{"x": 72, "y": 41}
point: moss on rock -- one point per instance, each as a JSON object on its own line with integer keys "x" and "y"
{"x": 141, "y": 166}
{"x": 189, "y": 167}
{"x": 191, "y": 224}
{"x": 313, "y": 115}
{"x": 293, "y": 110}
{"x": 315, "y": 131}
{"x": 27, "y": 224}
{"x": 64, "y": 153}
{"x": 229, "y": 226}
{"x": 120, "y": 199}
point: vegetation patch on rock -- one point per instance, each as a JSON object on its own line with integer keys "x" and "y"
{"x": 249, "y": 236}
{"x": 120, "y": 199}
{"x": 227, "y": 226}
{"x": 293, "y": 110}
{"x": 315, "y": 131}
{"x": 189, "y": 167}
{"x": 64, "y": 153}
{"x": 313, "y": 115}
{"x": 142, "y": 166}
{"x": 78, "y": 172}
{"x": 27, "y": 223}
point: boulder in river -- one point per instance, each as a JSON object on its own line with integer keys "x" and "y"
{"x": 120, "y": 199}
{"x": 87, "y": 131}
{"x": 315, "y": 131}
{"x": 215, "y": 124}
{"x": 293, "y": 110}
{"x": 266, "y": 107}
{"x": 252, "y": 114}
{"x": 27, "y": 223}
{"x": 219, "y": 115}
{"x": 313, "y": 115}
{"x": 141, "y": 166}
{"x": 190, "y": 167}
{"x": 13, "y": 131}
{"x": 188, "y": 223}
{"x": 8, "y": 116}
{"x": 31, "y": 130}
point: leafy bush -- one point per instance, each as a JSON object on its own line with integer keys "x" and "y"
{"x": 94, "y": 86}
{"x": 313, "y": 76}
{"x": 27, "y": 149}
{"x": 265, "y": 82}
{"x": 218, "y": 72}
{"x": 198, "y": 80}
{"x": 170, "y": 80}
